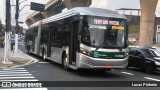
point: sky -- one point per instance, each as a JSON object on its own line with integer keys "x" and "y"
{"x": 106, "y": 4}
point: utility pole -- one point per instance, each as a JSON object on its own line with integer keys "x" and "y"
{"x": 17, "y": 26}
{"x": 7, "y": 34}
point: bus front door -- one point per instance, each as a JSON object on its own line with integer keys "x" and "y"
{"x": 73, "y": 46}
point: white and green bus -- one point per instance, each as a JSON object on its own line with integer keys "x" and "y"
{"x": 83, "y": 37}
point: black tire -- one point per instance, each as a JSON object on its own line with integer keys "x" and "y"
{"x": 65, "y": 63}
{"x": 149, "y": 69}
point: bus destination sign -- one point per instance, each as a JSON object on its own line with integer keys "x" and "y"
{"x": 105, "y": 22}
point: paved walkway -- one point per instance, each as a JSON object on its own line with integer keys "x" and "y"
{"x": 14, "y": 73}
{"x": 18, "y": 59}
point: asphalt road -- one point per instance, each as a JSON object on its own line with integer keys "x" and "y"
{"x": 50, "y": 71}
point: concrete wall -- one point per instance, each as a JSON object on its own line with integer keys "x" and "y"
{"x": 148, "y": 8}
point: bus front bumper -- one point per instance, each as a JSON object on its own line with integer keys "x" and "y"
{"x": 97, "y": 63}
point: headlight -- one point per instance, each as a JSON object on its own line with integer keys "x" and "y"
{"x": 85, "y": 52}
{"x": 157, "y": 63}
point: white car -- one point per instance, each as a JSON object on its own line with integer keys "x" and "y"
{"x": 157, "y": 48}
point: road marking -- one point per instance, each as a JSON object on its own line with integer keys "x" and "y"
{"x": 19, "y": 75}
{"x": 13, "y": 68}
{"x": 13, "y": 71}
{"x": 26, "y": 89}
{"x": 23, "y": 80}
{"x": 15, "y": 77}
{"x": 127, "y": 73}
{"x": 44, "y": 62}
{"x": 151, "y": 79}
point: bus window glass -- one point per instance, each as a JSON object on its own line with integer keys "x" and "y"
{"x": 107, "y": 32}
{"x": 86, "y": 36}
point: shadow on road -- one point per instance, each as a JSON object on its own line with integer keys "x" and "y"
{"x": 96, "y": 74}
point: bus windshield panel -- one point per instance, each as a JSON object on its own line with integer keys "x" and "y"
{"x": 107, "y": 32}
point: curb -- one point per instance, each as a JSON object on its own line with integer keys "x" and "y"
{"x": 32, "y": 61}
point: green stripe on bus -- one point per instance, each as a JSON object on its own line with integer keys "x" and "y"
{"x": 108, "y": 55}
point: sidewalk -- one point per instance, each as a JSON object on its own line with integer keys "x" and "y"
{"x": 17, "y": 59}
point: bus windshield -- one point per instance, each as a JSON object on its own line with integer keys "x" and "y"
{"x": 107, "y": 32}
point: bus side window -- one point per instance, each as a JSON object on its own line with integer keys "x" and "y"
{"x": 53, "y": 35}
{"x": 67, "y": 34}
{"x": 65, "y": 38}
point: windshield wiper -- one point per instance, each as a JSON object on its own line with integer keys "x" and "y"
{"x": 100, "y": 46}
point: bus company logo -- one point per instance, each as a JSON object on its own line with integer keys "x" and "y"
{"x": 96, "y": 54}
{"x": 105, "y": 22}
{"x": 6, "y": 84}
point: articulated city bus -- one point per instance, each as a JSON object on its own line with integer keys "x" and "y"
{"x": 83, "y": 37}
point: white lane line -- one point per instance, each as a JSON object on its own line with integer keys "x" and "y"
{"x": 26, "y": 89}
{"x": 151, "y": 79}
{"x": 14, "y": 71}
{"x": 44, "y": 62}
{"x": 19, "y": 80}
{"x": 14, "y": 68}
{"x": 15, "y": 77}
{"x": 127, "y": 73}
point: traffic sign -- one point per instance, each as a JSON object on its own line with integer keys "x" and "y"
{"x": 37, "y": 7}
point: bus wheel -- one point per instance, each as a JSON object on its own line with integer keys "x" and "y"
{"x": 65, "y": 63}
